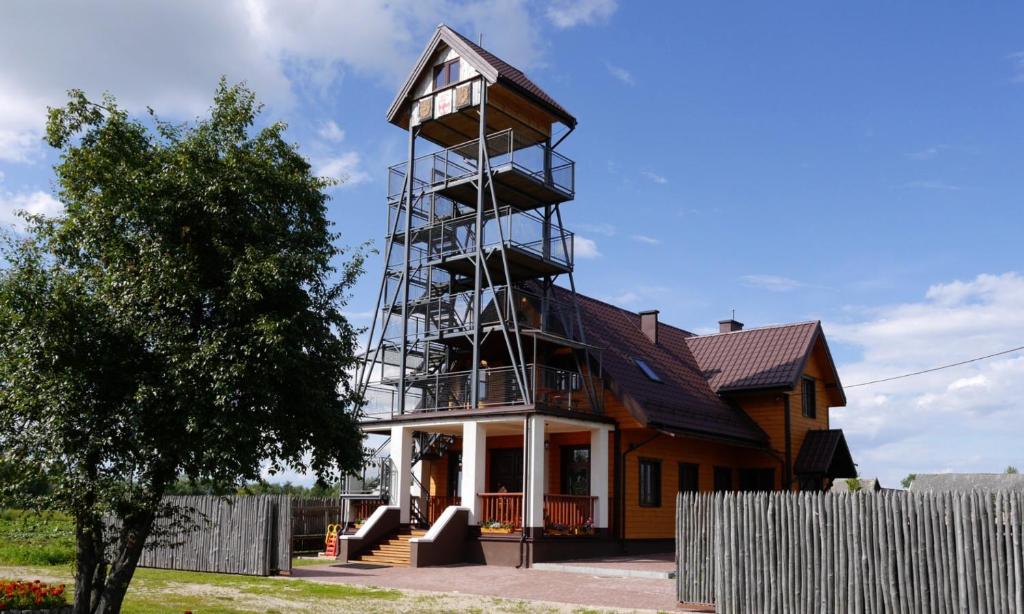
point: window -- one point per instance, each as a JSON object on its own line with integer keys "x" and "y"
{"x": 689, "y": 477}
{"x": 650, "y": 483}
{"x": 754, "y": 480}
{"x": 648, "y": 371}
{"x": 446, "y": 74}
{"x": 576, "y": 470}
{"x": 809, "y": 401}
{"x": 723, "y": 479}
{"x": 558, "y": 379}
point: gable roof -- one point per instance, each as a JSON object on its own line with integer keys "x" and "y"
{"x": 757, "y": 358}
{"x": 682, "y": 402}
{"x": 824, "y": 452}
{"x": 493, "y": 68}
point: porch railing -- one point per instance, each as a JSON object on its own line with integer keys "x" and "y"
{"x": 502, "y": 508}
{"x": 569, "y": 513}
{"x": 437, "y": 504}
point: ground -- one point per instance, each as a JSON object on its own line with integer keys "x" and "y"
{"x": 34, "y": 547}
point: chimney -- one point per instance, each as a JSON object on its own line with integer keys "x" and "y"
{"x": 649, "y": 324}
{"x": 729, "y": 326}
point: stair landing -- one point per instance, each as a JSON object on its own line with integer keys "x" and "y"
{"x": 393, "y": 550}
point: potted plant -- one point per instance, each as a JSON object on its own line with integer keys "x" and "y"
{"x": 35, "y": 596}
{"x": 359, "y": 522}
{"x": 557, "y": 528}
{"x": 496, "y": 527}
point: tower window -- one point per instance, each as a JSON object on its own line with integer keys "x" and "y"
{"x": 446, "y": 74}
{"x": 650, "y": 482}
{"x": 810, "y": 402}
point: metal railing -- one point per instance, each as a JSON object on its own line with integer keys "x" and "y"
{"x": 516, "y": 229}
{"x": 498, "y": 387}
{"x": 459, "y": 162}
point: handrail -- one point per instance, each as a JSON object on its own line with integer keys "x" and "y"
{"x": 569, "y": 513}
{"x": 504, "y": 509}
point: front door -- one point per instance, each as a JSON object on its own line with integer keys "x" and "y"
{"x": 575, "y": 470}
{"x": 506, "y": 470}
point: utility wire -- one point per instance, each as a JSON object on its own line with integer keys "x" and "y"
{"x": 955, "y": 364}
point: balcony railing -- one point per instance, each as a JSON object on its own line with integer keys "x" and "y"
{"x": 538, "y": 162}
{"x": 497, "y": 386}
{"x": 518, "y": 230}
{"x": 502, "y": 509}
{"x": 569, "y": 514}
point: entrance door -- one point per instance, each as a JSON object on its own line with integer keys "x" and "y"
{"x": 575, "y": 470}
{"x": 506, "y": 473}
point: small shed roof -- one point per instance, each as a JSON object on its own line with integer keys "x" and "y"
{"x": 966, "y": 482}
{"x": 824, "y": 452}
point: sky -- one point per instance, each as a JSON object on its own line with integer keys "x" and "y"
{"x": 856, "y": 163}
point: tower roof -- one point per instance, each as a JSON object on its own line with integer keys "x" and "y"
{"x": 490, "y": 66}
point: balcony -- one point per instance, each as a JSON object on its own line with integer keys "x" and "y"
{"x": 526, "y": 176}
{"x": 563, "y": 514}
{"x": 497, "y": 386}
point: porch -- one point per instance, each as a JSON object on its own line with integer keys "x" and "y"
{"x": 508, "y": 480}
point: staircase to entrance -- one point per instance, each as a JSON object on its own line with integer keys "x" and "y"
{"x": 392, "y": 550}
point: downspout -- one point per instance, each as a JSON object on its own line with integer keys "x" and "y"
{"x": 526, "y": 485}
{"x": 622, "y": 484}
{"x": 787, "y": 467}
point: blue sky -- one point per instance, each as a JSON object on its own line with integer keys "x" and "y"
{"x": 858, "y": 163}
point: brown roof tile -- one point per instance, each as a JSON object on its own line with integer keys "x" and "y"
{"x": 766, "y": 357}
{"x": 682, "y": 401}
{"x": 824, "y": 452}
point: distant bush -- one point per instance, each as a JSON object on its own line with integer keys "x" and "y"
{"x": 34, "y": 538}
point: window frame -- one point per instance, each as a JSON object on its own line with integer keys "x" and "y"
{"x": 809, "y": 402}
{"x": 654, "y": 500}
{"x": 446, "y": 69}
{"x": 732, "y": 479}
{"x": 647, "y": 370}
{"x": 684, "y": 470}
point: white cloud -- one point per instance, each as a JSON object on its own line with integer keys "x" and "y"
{"x": 585, "y": 248}
{"x": 965, "y": 418}
{"x": 1017, "y": 60}
{"x": 656, "y": 178}
{"x": 646, "y": 239}
{"x": 170, "y": 55}
{"x": 570, "y": 13}
{"x": 927, "y": 153}
{"x": 626, "y": 298}
{"x": 330, "y": 131}
{"x": 346, "y": 168}
{"x": 608, "y": 230}
{"x": 932, "y": 184}
{"x": 36, "y": 203}
{"x": 619, "y": 73}
{"x": 773, "y": 283}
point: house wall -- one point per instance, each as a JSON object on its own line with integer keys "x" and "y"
{"x": 659, "y": 522}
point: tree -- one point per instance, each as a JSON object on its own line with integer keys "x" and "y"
{"x": 181, "y": 318}
{"x": 907, "y": 481}
{"x": 1011, "y": 470}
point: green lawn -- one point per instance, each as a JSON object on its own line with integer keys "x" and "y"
{"x": 41, "y": 547}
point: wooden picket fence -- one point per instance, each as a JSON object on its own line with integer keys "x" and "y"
{"x": 248, "y": 535}
{"x": 882, "y": 552}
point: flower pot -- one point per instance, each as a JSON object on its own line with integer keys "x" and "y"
{"x": 496, "y": 530}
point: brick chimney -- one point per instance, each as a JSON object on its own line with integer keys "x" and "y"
{"x": 729, "y": 326}
{"x": 649, "y": 324}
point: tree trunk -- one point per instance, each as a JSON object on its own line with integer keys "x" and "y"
{"x": 87, "y": 563}
{"x": 134, "y": 532}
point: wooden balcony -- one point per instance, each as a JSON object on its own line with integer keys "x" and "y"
{"x": 437, "y": 504}
{"x": 569, "y": 514}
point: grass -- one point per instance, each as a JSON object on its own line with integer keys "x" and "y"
{"x": 29, "y": 538}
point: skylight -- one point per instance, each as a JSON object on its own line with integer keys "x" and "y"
{"x": 648, "y": 371}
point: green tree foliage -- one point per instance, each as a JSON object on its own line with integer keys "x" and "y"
{"x": 1011, "y": 470}
{"x": 907, "y": 481}
{"x": 181, "y": 318}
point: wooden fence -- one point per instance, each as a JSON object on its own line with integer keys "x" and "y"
{"x": 883, "y": 552}
{"x": 248, "y": 535}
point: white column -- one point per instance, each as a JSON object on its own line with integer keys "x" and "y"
{"x": 401, "y": 467}
{"x": 599, "y": 475}
{"x": 474, "y": 466}
{"x": 536, "y": 461}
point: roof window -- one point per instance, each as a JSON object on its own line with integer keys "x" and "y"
{"x": 648, "y": 371}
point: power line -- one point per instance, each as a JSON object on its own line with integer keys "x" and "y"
{"x": 955, "y": 364}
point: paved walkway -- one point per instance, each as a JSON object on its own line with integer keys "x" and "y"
{"x": 507, "y": 582}
{"x": 656, "y": 566}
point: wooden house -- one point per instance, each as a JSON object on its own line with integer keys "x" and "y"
{"x": 527, "y": 422}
